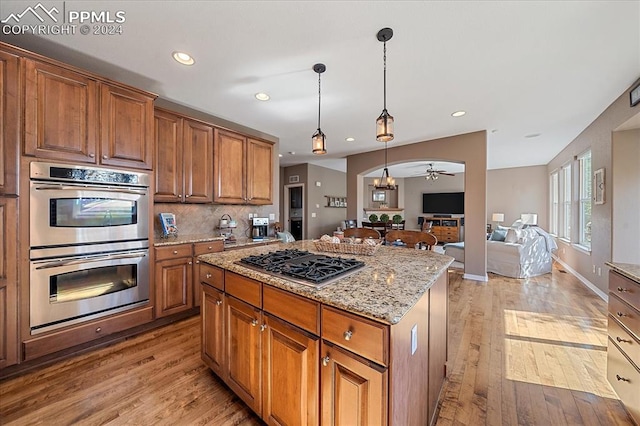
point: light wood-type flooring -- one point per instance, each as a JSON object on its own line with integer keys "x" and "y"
{"x": 522, "y": 352}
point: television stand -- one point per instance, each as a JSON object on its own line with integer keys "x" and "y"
{"x": 446, "y": 230}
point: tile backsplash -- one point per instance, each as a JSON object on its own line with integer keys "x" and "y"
{"x": 193, "y": 219}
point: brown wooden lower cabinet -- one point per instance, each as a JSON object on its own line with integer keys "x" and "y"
{"x": 8, "y": 282}
{"x": 173, "y": 286}
{"x": 318, "y": 365}
{"x": 354, "y": 390}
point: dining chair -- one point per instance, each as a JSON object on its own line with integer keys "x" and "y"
{"x": 361, "y": 233}
{"x": 412, "y": 238}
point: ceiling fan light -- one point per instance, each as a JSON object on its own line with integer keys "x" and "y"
{"x": 384, "y": 127}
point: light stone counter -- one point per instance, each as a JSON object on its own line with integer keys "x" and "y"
{"x": 200, "y": 238}
{"x": 390, "y": 284}
{"x": 629, "y": 270}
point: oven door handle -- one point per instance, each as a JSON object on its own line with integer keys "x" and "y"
{"x": 78, "y": 261}
{"x": 53, "y": 187}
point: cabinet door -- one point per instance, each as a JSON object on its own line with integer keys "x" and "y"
{"x": 229, "y": 168}
{"x": 354, "y": 392}
{"x": 290, "y": 375}
{"x": 8, "y": 283}
{"x": 173, "y": 286}
{"x": 9, "y": 124}
{"x": 198, "y": 162}
{"x": 259, "y": 172}
{"x": 244, "y": 348}
{"x": 60, "y": 113}
{"x": 212, "y": 314}
{"x": 126, "y": 139}
{"x": 168, "y": 157}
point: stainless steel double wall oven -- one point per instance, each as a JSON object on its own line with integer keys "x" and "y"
{"x": 89, "y": 239}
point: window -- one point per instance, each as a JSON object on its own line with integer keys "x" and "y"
{"x": 554, "y": 202}
{"x": 585, "y": 188}
{"x": 565, "y": 222}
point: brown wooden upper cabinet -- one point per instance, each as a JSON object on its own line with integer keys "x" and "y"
{"x": 184, "y": 159}
{"x": 74, "y": 116}
{"x": 9, "y": 124}
{"x": 243, "y": 169}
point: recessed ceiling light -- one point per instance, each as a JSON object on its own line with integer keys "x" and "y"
{"x": 350, "y": 139}
{"x": 458, "y": 113}
{"x": 262, "y": 96}
{"x": 280, "y": 155}
{"x": 532, "y": 135}
{"x": 183, "y": 58}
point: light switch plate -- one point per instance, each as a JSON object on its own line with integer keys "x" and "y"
{"x": 272, "y": 216}
{"x": 414, "y": 339}
{"x": 313, "y": 214}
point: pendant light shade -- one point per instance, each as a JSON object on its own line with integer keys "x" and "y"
{"x": 384, "y": 123}
{"x": 319, "y": 139}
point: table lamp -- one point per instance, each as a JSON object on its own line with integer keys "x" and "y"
{"x": 498, "y": 218}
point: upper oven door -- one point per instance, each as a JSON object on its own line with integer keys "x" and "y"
{"x": 67, "y": 213}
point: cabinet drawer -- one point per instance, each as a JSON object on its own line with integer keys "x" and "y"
{"x": 625, "y": 289}
{"x": 624, "y": 313}
{"x": 212, "y": 275}
{"x": 624, "y": 340}
{"x": 624, "y": 379}
{"x": 207, "y": 247}
{"x": 173, "y": 251}
{"x": 359, "y": 335}
{"x": 243, "y": 288}
{"x": 299, "y": 311}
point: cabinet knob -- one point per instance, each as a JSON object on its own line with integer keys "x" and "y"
{"x": 209, "y": 248}
{"x": 348, "y": 334}
{"x": 325, "y": 360}
{"x": 620, "y": 314}
{"x": 218, "y": 302}
{"x": 187, "y": 196}
{"x": 105, "y": 157}
{"x": 197, "y": 262}
{"x": 622, "y": 379}
{"x": 175, "y": 252}
{"x": 92, "y": 155}
{"x": 179, "y": 196}
{"x": 208, "y": 275}
{"x": 622, "y": 290}
{"x": 263, "y": 327}
{"x": 98, "y": 330}
{"x": 254, "y": 322}
{"x": 189, "y": 263}
{"x": 620, "y": 340}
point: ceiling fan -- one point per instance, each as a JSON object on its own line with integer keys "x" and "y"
{"x": 432, "y": 174}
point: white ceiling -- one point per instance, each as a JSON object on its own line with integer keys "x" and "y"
{"x": 517, "y": 68}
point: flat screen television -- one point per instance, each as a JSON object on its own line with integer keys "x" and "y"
{"x": 443, "y": 202}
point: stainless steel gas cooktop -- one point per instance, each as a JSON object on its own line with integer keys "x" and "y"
{"x": 303, "y": 267}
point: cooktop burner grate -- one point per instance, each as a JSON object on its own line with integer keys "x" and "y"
{"x": 304, "y": 267}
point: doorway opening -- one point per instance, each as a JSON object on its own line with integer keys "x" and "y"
{"x": 294, "y": 210}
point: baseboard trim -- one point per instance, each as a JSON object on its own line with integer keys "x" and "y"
{"x": 482, "y": 278}
{"x": 582, "y": 279}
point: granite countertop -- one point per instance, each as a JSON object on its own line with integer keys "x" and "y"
{"x": 390, "y": 284}
{"x": 629, "y": 270}
{"x": 200, "y": 238}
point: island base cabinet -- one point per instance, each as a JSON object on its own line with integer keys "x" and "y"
{"x": 290, "y": 375}
{"x": 354, "y": 391}
{"x": 625, "y": 380}
{"x": 212, "y": 315}
{"x": 244, "y": 350}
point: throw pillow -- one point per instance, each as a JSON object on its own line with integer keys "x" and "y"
{"x": 498, "y": 235}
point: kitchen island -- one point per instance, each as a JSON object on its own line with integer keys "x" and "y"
{"x": 370, "y": 348}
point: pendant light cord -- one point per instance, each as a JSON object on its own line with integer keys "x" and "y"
{"x": 384, "y": 74}
{"x": 319, "y": 95}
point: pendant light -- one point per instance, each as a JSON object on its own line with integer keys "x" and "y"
{"x": 319, "y": 139}
{"x": 386, "y": 181}
{"x": 384, "y": 123}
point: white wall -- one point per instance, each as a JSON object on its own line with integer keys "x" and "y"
{"x": 626, "y": 196}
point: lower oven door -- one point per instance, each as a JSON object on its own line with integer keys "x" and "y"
{"x": 74, "y": 289}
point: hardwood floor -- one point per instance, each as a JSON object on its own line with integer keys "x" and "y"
{"x": 530, "y": 352}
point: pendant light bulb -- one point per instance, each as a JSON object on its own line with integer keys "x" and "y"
{"x": 384, "y": 123}
{"x": 319, "y": 139}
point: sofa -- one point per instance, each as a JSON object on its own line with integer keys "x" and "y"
{"x": 523, "y": 253}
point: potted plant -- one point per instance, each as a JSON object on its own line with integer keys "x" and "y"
{"x": 384, "y": 218}
{"x": 373, "y": 218}
{"x": 396, "y": 219}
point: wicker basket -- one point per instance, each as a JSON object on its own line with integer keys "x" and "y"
{"x": 360, "y": 249}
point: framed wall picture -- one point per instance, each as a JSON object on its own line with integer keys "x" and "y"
{"x": 379, "y": 196}
{"x": 598, "y": 186}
